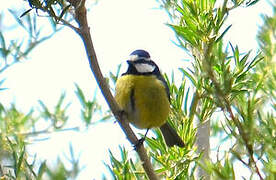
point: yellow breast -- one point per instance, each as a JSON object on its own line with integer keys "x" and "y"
{"x": 151, "y": 104}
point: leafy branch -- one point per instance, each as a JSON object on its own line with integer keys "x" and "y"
{"x": 222, "y": 82}
{"x": 17, "y": 49}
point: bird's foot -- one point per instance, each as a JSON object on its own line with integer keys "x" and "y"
{"x": 120, "y": 114}
{"x": 139, "y": 143}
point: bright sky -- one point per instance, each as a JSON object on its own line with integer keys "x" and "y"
{"x": 118, "y": 28}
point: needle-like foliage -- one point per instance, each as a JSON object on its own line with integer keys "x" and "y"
{"x": 225, "y": 96}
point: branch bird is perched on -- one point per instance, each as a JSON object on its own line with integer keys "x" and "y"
{"x": 143, "y": 94}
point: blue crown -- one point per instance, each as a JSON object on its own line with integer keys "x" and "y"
{"x": 140, "y": 53}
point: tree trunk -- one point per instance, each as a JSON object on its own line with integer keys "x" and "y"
{"x": 203, "y": 145}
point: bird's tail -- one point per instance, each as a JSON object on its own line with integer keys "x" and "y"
{"x": 170, "y": 135}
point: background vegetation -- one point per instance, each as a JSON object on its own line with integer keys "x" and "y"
{"x": 225, "y": 94}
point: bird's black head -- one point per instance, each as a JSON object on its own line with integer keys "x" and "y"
{"x": 140, "y": 63}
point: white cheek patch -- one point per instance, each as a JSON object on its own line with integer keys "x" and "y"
{"x": 144, "y": 68}
{"x": 136, "y": 57}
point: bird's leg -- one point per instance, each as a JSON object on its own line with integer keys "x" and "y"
{"x": 121, "y": 113}
{"x": 141, "y": 141}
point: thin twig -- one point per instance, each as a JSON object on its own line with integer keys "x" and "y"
{"x": 245, "y": 139}
{"x": 66, "y": 23}
{"x": 84, "y": 32}
{"x": 226, "y": 105}
{"x": 47, "y": 131}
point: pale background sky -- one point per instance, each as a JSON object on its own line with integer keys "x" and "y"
{"x": 118, "y": 28}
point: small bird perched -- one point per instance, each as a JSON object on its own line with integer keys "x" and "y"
{"x": 143, "y": 94}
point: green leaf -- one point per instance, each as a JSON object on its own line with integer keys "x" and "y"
{"x": 19, "y": 163}
{"x": 3, "y": 44}
{"x": 49, "y": 3}
{"x": 80, "y": 95}
{"x": 30, "y": 22}
{"x": 251, "y": 3}
{"x": 236, "y": 55}
{"x": 186, "y": 34}
{"x": 42, "y": 168}
{"x": 26, "y": 12}
{"x": 244, "y": 59}
{"x": 186, "y": 101}
{"x": 35, "y": 3}
{"x": 60, "y": 101}
{"x": 115, "y": 76}
{"x": 180, "y": 10}
{"x": 192, "y": 79}
{"x": 255, "y": 61}
{"x": 1, "y": 82}
{"x": 224, "y": 32}
{"x": 46, "y": 111}
{"x": 63, "y": 12}
{"x": 18, "y": 20}
{"x": 189, "y": 6}
{"x": 110, "y": 170}
{"x": 52, "y": 13}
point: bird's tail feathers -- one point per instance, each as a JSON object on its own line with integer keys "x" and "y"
{"x": 171, "y": 136}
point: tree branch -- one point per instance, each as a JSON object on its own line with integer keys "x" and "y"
{"x": 84, "y": 32}
{"x": 244, "y": 136}
{"x": 227, "y": 107}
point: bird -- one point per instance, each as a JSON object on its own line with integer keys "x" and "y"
{"x": 143, "y": 95}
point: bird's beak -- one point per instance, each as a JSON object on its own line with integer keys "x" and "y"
{"x": 129, "y": 62}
